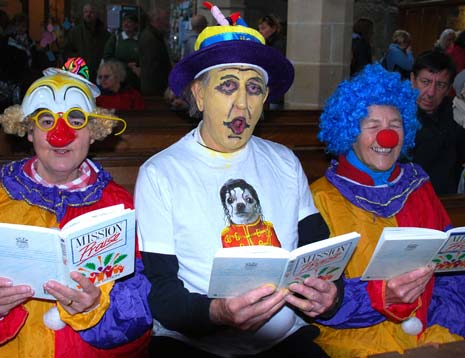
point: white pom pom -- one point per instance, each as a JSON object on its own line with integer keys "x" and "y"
{"x": 52, "y": 319}
{"x": 412, "y": 326}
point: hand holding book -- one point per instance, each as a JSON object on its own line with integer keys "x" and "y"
{"x": 407, "y": 287}
{"x": 404, "y": 249}
{"x": 238, "y": 270}
{"x": 100, "y": 245}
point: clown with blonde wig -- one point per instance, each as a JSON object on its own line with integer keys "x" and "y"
{"x": 370, "y": 124}
{"x": 59, "y": 116}
{"x": 58, "y": 91}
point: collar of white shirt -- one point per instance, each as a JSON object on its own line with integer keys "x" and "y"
{"x": 125, "y": 36}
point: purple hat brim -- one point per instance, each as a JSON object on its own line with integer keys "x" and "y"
{"x": 280, "y": 70}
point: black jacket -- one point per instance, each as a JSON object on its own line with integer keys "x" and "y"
{"x": 440, "y": 147}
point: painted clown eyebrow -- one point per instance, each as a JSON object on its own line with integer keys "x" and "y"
{"x": 258, "y": 78}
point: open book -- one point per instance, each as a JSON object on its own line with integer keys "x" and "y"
{"x": 237, "y": 270}
{"x": 403, "y": 249}
{"x": 99, "y": 244}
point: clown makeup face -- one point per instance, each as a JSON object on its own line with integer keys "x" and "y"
{"x": 231, "y": 102}
{"x": 374, "y": 155}
{"x": 60, "y": 148}
{"x": 60, "y": 165}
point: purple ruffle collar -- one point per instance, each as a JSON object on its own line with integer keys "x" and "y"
{"x": 382, "y": 200}
{"x": 20, "y": 187}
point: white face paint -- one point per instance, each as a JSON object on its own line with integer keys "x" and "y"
{"x": 58, "y": 93}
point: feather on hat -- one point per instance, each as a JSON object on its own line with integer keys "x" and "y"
{"x": 233, "y": 43}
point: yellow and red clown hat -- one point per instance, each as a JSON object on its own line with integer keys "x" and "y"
{"x": 75, "y": 67}
{"x": 233, "y": 43}
{"x": 61, "y": 89}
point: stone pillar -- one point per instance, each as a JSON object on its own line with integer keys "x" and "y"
{"x": 319, "y": 45}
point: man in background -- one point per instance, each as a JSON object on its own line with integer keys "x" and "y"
{"x": 361, "y": 45}
{"x": 124, "y": 46}
{"x": 87, "y": 40}
{"x": 440, "y": 143}
{"x": 155, "y": 63}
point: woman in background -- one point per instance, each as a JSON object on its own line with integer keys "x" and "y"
{"x": 399, "y": 56}
{"x": 457, "y": 51}
{"x": 446, "y": 40}
{"x": 115, "y": 93}
{"x": 270, "y": 28}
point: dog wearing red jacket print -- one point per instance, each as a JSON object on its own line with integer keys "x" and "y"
{"x": 243, "y": 211}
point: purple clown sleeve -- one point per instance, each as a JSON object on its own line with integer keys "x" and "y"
{"x": 447, "y": 306}
{"x": 128, "y": 316}
{"x": 355, "y": 310}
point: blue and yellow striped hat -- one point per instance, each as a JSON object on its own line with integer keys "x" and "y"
{"x": 219, "y": 46}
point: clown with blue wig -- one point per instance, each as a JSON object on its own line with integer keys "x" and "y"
{"x": 60, "y": 118}
{"x": 369, "y": 123}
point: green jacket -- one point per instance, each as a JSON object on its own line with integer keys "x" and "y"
{"x": 126, "y": 51}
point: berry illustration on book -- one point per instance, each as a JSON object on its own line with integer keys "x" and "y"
{"x": 99, "y": 271}
{"x": 452, "y": 255}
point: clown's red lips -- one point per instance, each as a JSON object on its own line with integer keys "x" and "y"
{"x": 238, "y": 125}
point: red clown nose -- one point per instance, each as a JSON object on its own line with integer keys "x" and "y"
{"x": 387, "y": 138}
{"x": 61, "y": 135}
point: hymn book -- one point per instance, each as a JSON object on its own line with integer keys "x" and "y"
{"x": 403, "y": 249}
{"x": 99, "y": 244}
{"x": 237, "y": 270}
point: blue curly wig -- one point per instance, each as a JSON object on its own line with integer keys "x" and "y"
{"x": 348, "y": 105}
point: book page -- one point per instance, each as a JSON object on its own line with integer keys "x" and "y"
{"x": 104, "y": 251}
{"x": 88, "y": 218}
{"x": 325, "y": 259}
{"x": 233, "y": 277}
{"x": 30, "y": 258}
{"x": 451, "y": 256}
{"x": 253, "y": 251}
{"x": 401, "y": 250}
{"x": 317, "y": 245}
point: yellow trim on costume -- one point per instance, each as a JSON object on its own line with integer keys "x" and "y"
{"x": 85, "y": 320}
{"x": 211, "y": 31}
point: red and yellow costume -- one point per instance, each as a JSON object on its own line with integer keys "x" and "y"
{"x": 120, "y": 326}
{"x": 364, "y": 325}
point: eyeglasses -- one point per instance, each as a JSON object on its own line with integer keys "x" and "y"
{"x": 104, "y": 77}
{"x": 76, "y": 118}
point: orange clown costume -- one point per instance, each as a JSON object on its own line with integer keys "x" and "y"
{"x": 352, "y": 196}
{"x": 120, "y": 326}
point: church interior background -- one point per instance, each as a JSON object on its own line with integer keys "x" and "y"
{"x": 318, "y": 31}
